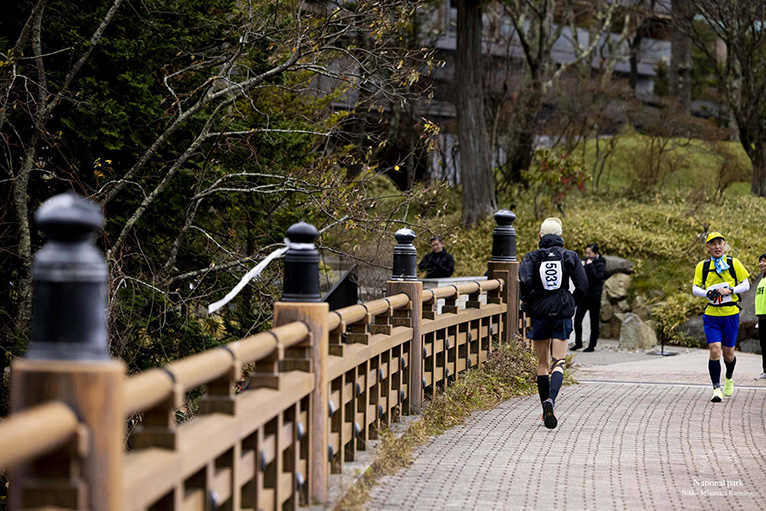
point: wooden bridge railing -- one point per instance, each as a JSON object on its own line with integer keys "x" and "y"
{"x": 322, "y": 384}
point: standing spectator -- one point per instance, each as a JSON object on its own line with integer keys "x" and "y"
{"x": 544, "y": 276}
{"x": 595, "y": 269}
{"x": 760, "y": 311}
{"x": 438, "y": 264}
{"x": 720, "y": 279}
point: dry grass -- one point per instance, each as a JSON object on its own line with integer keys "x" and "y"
{"x": 509, "y": 372}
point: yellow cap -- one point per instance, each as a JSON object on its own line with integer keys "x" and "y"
{"x": 714, "y": 235}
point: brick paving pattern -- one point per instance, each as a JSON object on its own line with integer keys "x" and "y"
{"x": 617, "y": 446}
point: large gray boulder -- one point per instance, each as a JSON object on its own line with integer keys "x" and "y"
{"x": 636, "y": 335}
{"x": 615, "y": 325}
{"x": 616, "y": 287}
{"x": 617, "y": 265}
{"x": 694, "y": 328}
{"x": 750, "y": 346}
{"x": 640, "y": 309}
{"x": 606, "y": 308}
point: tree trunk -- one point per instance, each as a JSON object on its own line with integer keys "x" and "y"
{"x": 21, "y": 208}
{"x": 681, "y": 57}
{"x": 475, "y": 163}
{"x": 521, "y": 136}
{"x": 758, "y": 184}
{"x": 635, "y": 55}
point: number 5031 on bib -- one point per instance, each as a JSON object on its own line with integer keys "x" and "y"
{"x": 551, "y": 275}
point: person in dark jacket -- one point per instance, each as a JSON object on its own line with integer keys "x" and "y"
{"x": 544, "y": 277}
{"x": 595, "y": 269}
{"x": 438, "y": 264}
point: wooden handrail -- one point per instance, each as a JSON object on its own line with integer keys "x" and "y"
{"x": 150, "y": 387}
{"x": 466, "y": 288}
{"x": 354, "y": 313}
{"x": 146, "y": 389}
{"x": 36, "y": 431}
{"x": 490, "y": 285}
{"x": 438, "y": 292}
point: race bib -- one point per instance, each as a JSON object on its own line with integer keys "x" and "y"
{"x": 721, "y": 299}
{"x": 551, "y": 275}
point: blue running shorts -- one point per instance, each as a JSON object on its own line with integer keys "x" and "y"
{"x": 721, "y": 329}
{"x": 544, "y": 329}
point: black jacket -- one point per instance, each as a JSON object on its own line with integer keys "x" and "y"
{"x": 596, "y": 272}
{"x": 557, "y": 265}
{"x": 437, "y": 265}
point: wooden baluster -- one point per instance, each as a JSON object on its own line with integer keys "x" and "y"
{"x": 450, "y": 303}
{"x": 359, "y": 332}
{"x": 382, "y": 323}
{"x": 266, "y": 373}
{"x": 474, "y": 299}
{"x": 335, "y": 340}
{"x": 221, "y": 394}
{"x": 362, "y": 393}
{"x": 158, "y": 424}
{"x": 350, "y": 416}
{"x": 429, "y": 306}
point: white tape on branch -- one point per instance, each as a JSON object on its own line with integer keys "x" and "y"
{"x": 255, "y": 272}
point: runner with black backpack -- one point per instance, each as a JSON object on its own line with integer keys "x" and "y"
{"x": 720, "y": 279}
{"x": 544, "y": 277}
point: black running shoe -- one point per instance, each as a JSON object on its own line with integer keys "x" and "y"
{"x": 548, "y": 418}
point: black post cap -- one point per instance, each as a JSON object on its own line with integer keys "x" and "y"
{"x": 504, "y": 237}
{"x": 301, "y": 265}
{"x": 69, "y": 217}
{"x": 405, "y": 256}
{"x": 69, "y": 276}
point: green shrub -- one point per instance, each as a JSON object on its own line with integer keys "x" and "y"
{"x": 675, "y": 312}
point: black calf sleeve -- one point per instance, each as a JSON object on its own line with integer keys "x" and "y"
{"x": 557, "y": 378}
{"x": 543, "y": 387}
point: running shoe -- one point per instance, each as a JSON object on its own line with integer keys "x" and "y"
{"x": 728, "y": 387}
{"x": 717, "y": 396}
{"x": 761, "y": 377}
{"x": 548, "y": 418}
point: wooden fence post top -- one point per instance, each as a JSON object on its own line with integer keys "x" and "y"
{"x": 68, "y": 361}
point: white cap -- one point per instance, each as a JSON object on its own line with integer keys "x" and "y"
{"x": 550, "y": 225}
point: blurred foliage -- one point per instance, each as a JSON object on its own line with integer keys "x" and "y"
{"x": 703, "y": 161}
{"x": 552, "y": 177}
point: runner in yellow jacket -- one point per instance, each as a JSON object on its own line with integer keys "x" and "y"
{"x": 720, "y": 279}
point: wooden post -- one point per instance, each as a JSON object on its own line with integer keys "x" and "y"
{"x": 68, "y": 361}
{"x": 503, "y": 265}
{"x": 301, "y": 301}
{"x": 404, "y": 280}
{"x": 87, "y": 474}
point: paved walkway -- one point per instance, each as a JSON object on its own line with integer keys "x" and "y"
{"x": 641, "y": 433}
